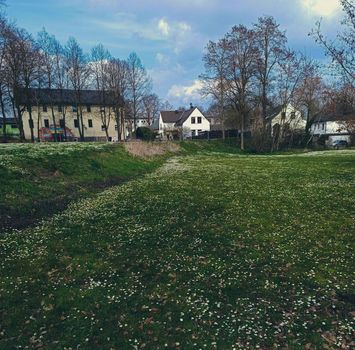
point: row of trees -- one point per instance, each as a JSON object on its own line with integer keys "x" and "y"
{"x": 251, "y": 70}
{"x": 28, "y": 63}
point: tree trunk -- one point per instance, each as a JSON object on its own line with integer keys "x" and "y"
{"x": 4, "y": 134}
{"x": 31, "y": 123}
{"x": 38, "y": 121}
{"x": 20, "y": 124}
{"x": 54, "y": 124}
{"x": 82, "y": 135}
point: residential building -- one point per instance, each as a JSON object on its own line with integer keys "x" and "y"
{"x": 182, "y": 124}
{"x": 55, "y": 115}
{"x": 333, "y": 126}
{"x": 286, "y": 119}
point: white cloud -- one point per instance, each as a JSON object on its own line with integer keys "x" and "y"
{"x": 325, "y": 8}
{"x": 162, "y": 59}
{"x": 163, "y": 26}
{"x": 176, "y": 33}
{"x": 187, "y": 93}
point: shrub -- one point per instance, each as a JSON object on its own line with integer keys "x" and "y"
{"x": 146, "y": 134}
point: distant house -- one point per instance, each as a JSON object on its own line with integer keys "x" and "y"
{"x": 49, "y": 106}
{"x": 333, "y": 126}
{"x": 285, "y": 119}
{"x": 185, "y": 124}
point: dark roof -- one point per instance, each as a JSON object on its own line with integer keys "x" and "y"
{"x": 337, "y": 116}
{"x": 184, "y": 116}
{"x": 66, "y": 97}
{"x": 274, "y": 112}
{"x": 177, "y": 117}
{"x": 170, "y": 116}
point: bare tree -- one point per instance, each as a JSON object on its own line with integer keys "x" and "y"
{"x": 21, "y": 58}
{"x": 48, "y": 46}
{"x": 242, "y": 54}
{"x": 99, "y": 65}
{"x": 3, "y": 86}
{"x": 271, "y": 43}
{"x": 290, "y": 71}
{"x": 151, "y": 105}
{"x": 342, "y": 49}
{"x": 166, "y": 106}
{"x": 215, "y": 76}
{"x": 308, "y": 94}
{"x": 139, "y": 85}
{"x": 78, "y": 76}
{"x": 117, "y": 72}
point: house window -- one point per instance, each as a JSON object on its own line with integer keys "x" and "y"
{"x": 76, "y": 123}
{"x": 90, "y": 123}
{"x": 323, "y": 125}
{"x": 60, "y": 109}
{"x": 103, "y": 127}
{"x": 46, "y": 123}
{"x": 88, "y": 108}
{"x": 74, "y": 109}
{"x": 199, "y": 120}
{"x": 45, "y": 108}
{"x": 193, "y": 120}
{"x": 30, "y": 123}
{"x": 61, "y": 123}
{"x": 283, "y": 115}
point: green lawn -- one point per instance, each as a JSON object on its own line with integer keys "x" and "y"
{"x": 210, "y": 251}
{"x": 37, "y": 180}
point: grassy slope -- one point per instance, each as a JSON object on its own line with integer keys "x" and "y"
{"x": 38, "y": 180}
{"x": 208, "y": 252}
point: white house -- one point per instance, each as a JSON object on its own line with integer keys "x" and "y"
{"x": 333, "y": 126}
{"x": 173, "y": 124}
{"x": 286, "y": 118}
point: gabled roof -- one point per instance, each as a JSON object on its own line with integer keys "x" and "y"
{"x": 170, "y": 116}
{"x": 274, "y": 112}
{"x": 66, "y": 97}
{"x": 184, "y": 116}
{"x": 177, "y": 117}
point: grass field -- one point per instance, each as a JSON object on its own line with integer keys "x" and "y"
{"x": 210, "y": 251}
{"x": 39, "y": 180}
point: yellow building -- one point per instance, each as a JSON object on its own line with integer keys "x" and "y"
{"x": 56, "y": 114}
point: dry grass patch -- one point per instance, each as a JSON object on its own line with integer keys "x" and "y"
{"x": 151, "y": 149}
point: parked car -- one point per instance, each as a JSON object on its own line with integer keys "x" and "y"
{"x": 340, "y": 144}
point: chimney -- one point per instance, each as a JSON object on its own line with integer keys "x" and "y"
{"x": 191, "y": 106}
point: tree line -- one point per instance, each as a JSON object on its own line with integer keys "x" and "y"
{"x": 251, "y": 70}
{"x": 28, "y": 63}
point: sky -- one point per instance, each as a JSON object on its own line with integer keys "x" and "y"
{"x": 170, "y": 35}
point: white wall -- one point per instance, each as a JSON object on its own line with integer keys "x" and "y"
{"x": 296, "y": 123}
{"x": 329, "y": 127}
{"x": 195, "y": 127}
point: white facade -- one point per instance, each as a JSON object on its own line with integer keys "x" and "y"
{"x": 290, "y": 117}
{"x": 185, "y": 123}
{"x": 164, "y": 127}
{"x": 335, "y": 130}
{"x": 195, "y": 124}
